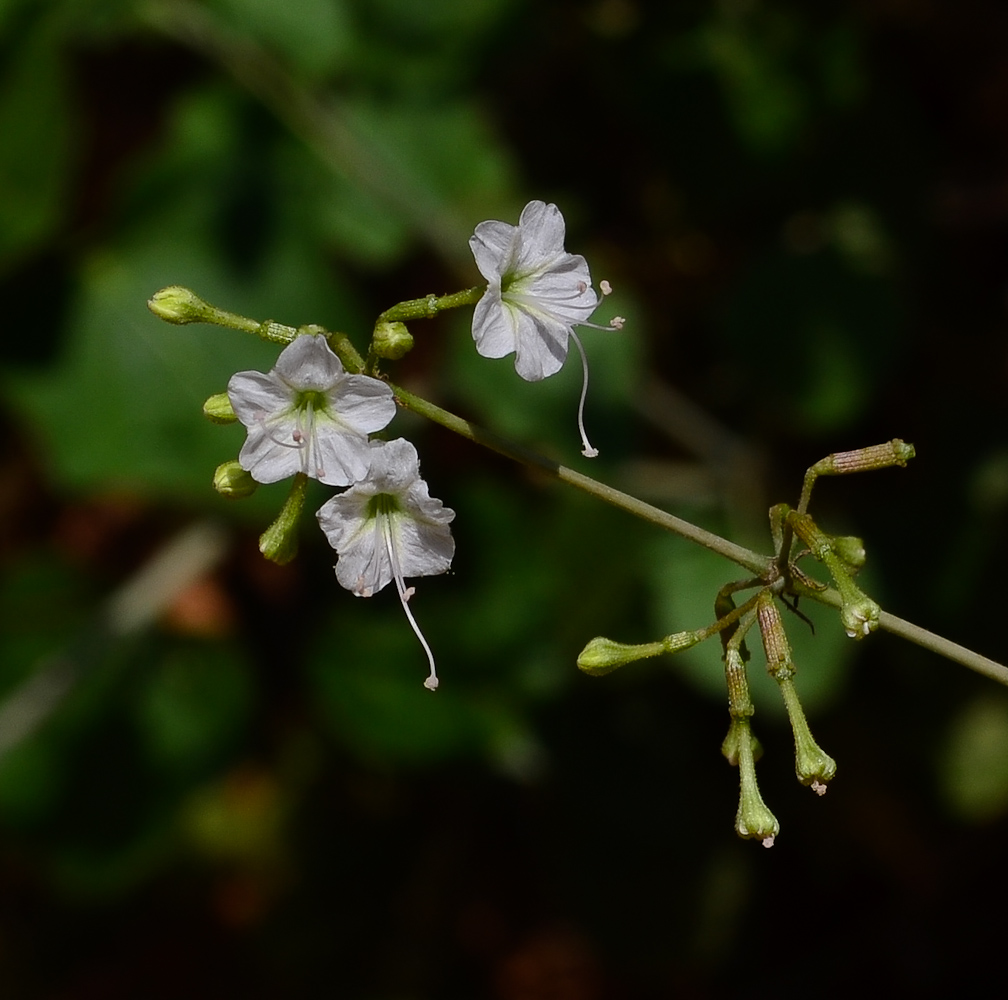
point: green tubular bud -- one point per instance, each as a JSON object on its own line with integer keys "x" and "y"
{"x": 813, "y": 765}
{"x": 754, "y": 821}
{"x": 232, "y": 481}
{"x": 602, "y": 656}
{"x": 176, "y": 304}
{"x": 218, "y": 409}
{"x": 279, "y": 542}
{"x": 775, "y": 642}
{"x": 391, "y": 340}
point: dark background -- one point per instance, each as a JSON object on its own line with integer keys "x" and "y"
{"x": 804, "y": 212}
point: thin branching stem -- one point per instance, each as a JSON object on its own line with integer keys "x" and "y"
{"x": 762, "y": 565}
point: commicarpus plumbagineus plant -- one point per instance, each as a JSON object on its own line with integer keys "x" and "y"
{"x": 314, "y": 413}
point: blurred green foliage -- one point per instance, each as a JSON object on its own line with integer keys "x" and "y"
{"x": 257, "y": 796}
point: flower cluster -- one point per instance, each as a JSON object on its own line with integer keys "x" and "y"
{"x": 309, "y": 416}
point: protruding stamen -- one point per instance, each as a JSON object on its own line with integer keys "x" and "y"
{"x": 617, "y": 322}
{"x": 604, "y": 287}
{"x": 588, "y": 450}
{"x": 405, "y": 593}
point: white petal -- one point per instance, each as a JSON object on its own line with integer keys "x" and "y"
{"x": 363, "y": 403}
{"x": 270, "y": 452}
{"x": 542, "y": 232}
{"x": 542, "y": 346}
{"x": 564, "y": 289}
{"x": 494, "y": 327}
{"x": 495, "y": 247}
{"x": 337, "y": 456}
{"x": 254, "y": 396}
{"x": 308, "y": 363}
{"x": 365, "y": 568}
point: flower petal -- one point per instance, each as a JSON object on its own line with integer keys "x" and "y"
{"x": 255, "y": 395}
{"x": 494, "y": 326}
{"x": 542, "y": 233}
{"x": 308, "y": 363}
{"x": 495, "y": 247}
{"x": 542, "y": 346}
{"x": 363, "y": 403}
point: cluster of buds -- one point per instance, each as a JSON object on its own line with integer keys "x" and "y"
{"x": 795, "y": 536}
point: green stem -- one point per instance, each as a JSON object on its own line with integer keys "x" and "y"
{"x": 752, "y": 561}
{"x": 430, "y": 305}
{"x": 920, "y": 636}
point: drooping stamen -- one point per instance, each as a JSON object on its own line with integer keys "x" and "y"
{"x": 588, "y": 451}
{"x": 405, "y": 593}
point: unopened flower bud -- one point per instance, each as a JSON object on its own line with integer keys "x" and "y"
{"x": 232, "y": 481}
{"x": 602, "y": 656}
{"x": 391, "y": 340}
{"x": 754, "y": 821}
{"x": 218, "y": 408}
{"x": 813, "y": 765}
{"x": 176, "y": 304}
{"x": 279, "y": 542}
{"x": 850, "y": 550}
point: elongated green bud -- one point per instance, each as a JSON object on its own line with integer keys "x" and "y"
{"x": 279, "y": 542}
{"x": 602, "y": 656}
{"x": 179, "y": 305}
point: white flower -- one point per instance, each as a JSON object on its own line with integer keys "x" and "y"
{"x": 536, "y": 294}
{"x": 388, "y": 527}
{"x": 536, "y": 291}
{"x": 308, "y": 415}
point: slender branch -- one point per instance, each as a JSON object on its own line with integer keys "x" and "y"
{"x": 921, "y": 637}
{"x": 752, "y": 561}
{"x": 430, "y": 305}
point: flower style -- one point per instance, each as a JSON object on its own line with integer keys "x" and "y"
{"x": 308, "y": 415}
{"x": 387, "y": 527}
{"x": 536, "y": 294}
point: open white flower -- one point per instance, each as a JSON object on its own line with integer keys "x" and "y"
{"x": 536, "y": 294}
{"x": 388, "y": 527}
{"x": 308, "y": 415}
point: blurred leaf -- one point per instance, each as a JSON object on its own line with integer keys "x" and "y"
{"x": 973, "y": 764}
{"x": 43, "y": 603}
{"x": 313, "y": 35}
{"x": 37, "y": 151}
{"x": 818, "y": 336}
{"x": 31, "y": 781}
{"x": 446, "y": 152}
{"x": 193, "y": 705}
{"x": 368, "y": 677}
{"x": 123, "y": 403}
{"x": 238, "y": 818}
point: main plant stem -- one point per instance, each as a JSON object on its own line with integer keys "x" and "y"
{"x": 752, "y": 561}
